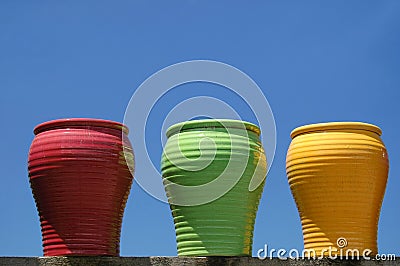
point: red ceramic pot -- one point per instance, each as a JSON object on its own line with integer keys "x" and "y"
{"x": 80, "y": 180}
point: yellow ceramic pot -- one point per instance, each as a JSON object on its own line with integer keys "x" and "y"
{"x": 337, "y": 173}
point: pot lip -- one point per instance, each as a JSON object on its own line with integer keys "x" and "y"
{"x": 64, "y": 122}
{"x": 212, "y": 123}
{"x": 323, "y": 127}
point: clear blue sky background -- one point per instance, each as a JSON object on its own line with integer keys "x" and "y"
{"x": 314, "y": 60}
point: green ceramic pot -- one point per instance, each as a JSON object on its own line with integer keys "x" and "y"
{"x": 213, "y": 173}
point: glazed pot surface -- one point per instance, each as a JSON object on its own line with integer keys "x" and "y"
{"x": 80, "y": 180}
{"x": 208, "y": 170}
{"x": 337, "y": 173}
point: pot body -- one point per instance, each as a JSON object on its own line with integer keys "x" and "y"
{"x": 214, "y": 173}
{"x": 337, "y": 173}
{"x": 80, "y": 180}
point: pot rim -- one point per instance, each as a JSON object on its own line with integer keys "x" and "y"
{"x": 64, "y": 122}
{"x": 212, "y": 123}
{"x": 327, "y": 126}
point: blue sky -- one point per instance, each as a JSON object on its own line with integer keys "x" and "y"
{"x": 315, "y": 61}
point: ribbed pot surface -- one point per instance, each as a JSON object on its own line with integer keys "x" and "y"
{"x": 80, "y": 181}
{"x": 337, "y": 173}
{"x": 214, "y": 212}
